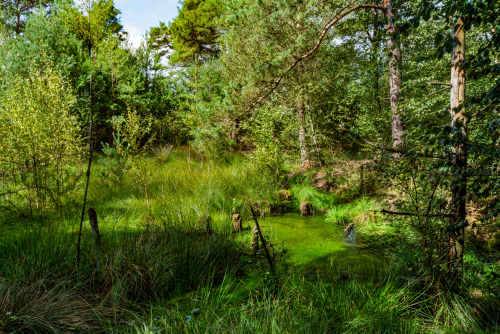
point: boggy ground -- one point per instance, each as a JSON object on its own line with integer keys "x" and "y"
{"x": 163, "y": 272}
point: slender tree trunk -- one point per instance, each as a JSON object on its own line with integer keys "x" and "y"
{"x": 301, "y": 116}
{"x": 87, "y": 175}
{"x": 89, "y": 166}
{"x": 97, "y": 240}
{"x": 18, "y": 23}
{"x": 304, "y": 155}
{"x": 234, "y": 131}
{"x": 459, "y": 128}
{"x": 314, "y": 138}
{"x": 395, "y": 76}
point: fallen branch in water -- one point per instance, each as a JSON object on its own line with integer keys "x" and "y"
{"x": 264, "y": 243}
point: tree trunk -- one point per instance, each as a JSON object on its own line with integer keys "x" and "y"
{"x": 18, "y": 23}
{"x": 395, "y": 76}
{"x": 459, "y": 128}
{"x": 304, "y": 155}
{"x": 234, "y": 131}
{"x": 314, "y": 138}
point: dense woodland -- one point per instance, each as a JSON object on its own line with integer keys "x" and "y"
{"x": 128, "y": 175}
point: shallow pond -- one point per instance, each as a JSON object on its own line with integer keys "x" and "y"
{"x": 314, "y": 242}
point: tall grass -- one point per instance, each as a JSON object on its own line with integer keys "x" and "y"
{"x": 299, "y": 307}
{"x": 320, "y": 201}
{"x": 357, "y": 211}
{"x": 168, "y": 274}
{"x": 181, "y": 191}
{"x": 39, "y": 273}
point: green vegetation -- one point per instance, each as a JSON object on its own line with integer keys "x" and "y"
{"x": 174, "y": 277}
{"x": 375, "y": 193}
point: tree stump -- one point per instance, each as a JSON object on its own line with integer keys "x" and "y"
{"x": 237, "y": 220}
{"x": 276, "y": 209}
{"x": 255, "y": 238}
{"x": 305, "y": 208}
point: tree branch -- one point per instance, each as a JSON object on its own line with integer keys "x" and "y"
{"x": 389, "y": 149}
{"x": 438, "y": 91}
{"x": 414, "y": 214}
{"x": 336, "y": 18}
{"x": 13, "y": 192}
{"x": 482, "y": 110}
{"x": 440, "y": 84}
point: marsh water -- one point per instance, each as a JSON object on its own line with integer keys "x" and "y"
{"x": 313, "y": 242}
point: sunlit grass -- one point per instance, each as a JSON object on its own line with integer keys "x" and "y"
{"x": 164, "y": 273}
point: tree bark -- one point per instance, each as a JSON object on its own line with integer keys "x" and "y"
{"x": 459, "y": 128}
{"x": 314, "y": 138}
{"x": 304, "y": 155}
{"x": 395, "y": 76}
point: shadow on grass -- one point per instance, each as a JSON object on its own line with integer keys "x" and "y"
{"x": 138, "y": 267}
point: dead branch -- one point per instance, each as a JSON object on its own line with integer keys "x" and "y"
{"x": 438, "y": 91}
{"x": 414, "y": 214}
{"x": 440, "y": 84}
{"x": 264, "y": 243}
{"x": 482, "y": 110}
{"x": 389, "y": 149}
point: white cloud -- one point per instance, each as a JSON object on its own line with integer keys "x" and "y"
{"x": 138, "y": 16}
{"x": 135, "y": 34}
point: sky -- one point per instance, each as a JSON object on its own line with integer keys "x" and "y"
{"x": 139, "y": 15}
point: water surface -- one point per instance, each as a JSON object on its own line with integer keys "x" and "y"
{"x": 314, "y": 242}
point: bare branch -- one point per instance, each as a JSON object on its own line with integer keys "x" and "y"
{"x": 414, "y": 214}
{"x": 482, "y": 110}
{"x": 389, "y": 149}
{"x": 438, "y": 91}
{"x": 440, "y": 84}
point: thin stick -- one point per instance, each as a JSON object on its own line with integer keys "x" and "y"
{"x": 438, "y": 91}
{"x": 97, "y": 240}
{"x": 439, "y": 84}
{"x": 14, "y": 191}
{"x": 90, "y": 150}
{"x": 414, "y": 214}
{"x": 88, "y": 178}
{"x": 264, "y": 243}
{"x": 389, "y": 149}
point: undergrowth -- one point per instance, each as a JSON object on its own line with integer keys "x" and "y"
{"x": 165, "y": 272}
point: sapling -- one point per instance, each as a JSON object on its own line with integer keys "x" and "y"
{"x": 137, "y": 139}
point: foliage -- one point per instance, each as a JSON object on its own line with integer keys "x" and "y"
{"x": 230, "y": 88}
{"x": 101, "y": 20}
{"x": 192, "y": 34}
{"x": 39, "y": 137}
{"x": 14, "y": 14}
